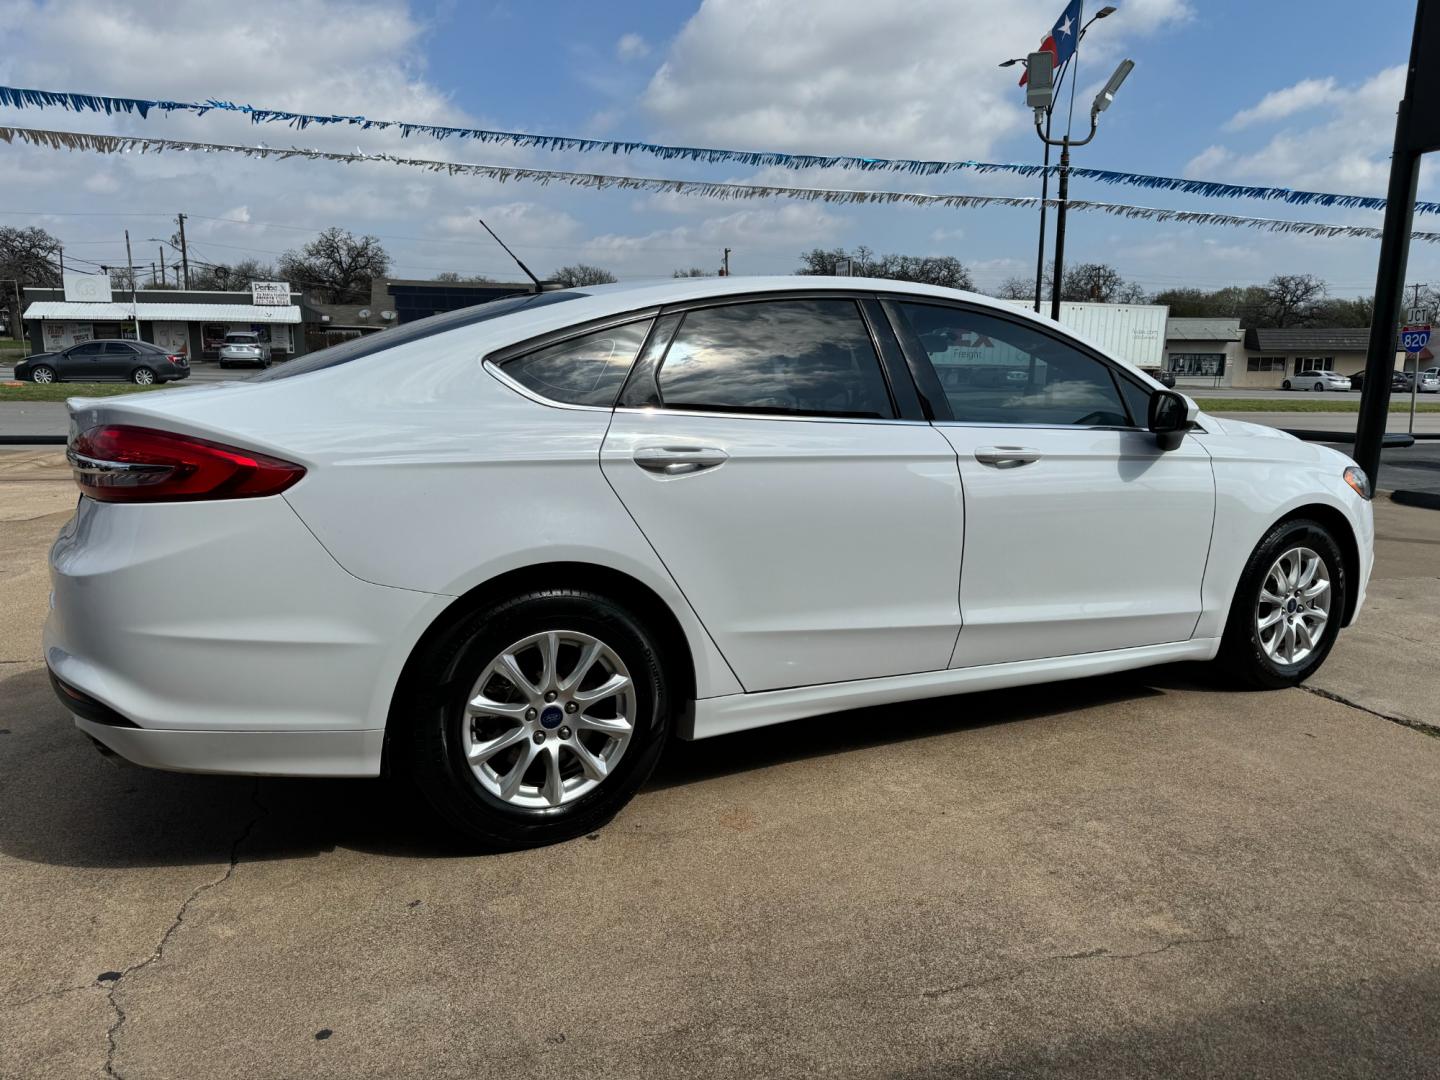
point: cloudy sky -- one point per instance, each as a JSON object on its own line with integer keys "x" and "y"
{"x": 1223, "y": 89}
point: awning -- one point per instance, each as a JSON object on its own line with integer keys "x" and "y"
{"x": 74, "y": 311}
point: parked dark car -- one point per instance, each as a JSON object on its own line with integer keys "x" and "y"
{"x": 1398, "y": 381}
{"x": 105, "y": 361}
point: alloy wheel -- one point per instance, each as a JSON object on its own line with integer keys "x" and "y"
{"x": 548, "y": 719}
{"x": 42, "y": 375}
{"x": 1294, "y": 606}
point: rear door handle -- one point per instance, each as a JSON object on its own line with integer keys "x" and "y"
{"x": 679, "y": 460}
{"x": 1006, "y": 457}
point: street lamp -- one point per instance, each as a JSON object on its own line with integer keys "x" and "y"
{"x": 1101, "y": 103}
{"x": 1104, "y": 13}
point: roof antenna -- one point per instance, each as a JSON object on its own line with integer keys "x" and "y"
{"x": 538, "y": 286}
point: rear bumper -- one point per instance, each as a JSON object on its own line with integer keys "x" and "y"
{"x": 245, "y": 753}
{"x": 227, "y": 636}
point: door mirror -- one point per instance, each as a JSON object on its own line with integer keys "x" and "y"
{"x": 1171, "y": 415}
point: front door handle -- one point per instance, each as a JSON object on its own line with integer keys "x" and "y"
{"x": 679, "y": 460}
{"x": 1006, "y": 457}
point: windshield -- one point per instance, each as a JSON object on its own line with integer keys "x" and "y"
{"x": 421, "y": 328}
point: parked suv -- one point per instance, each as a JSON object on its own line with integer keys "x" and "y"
{"x": 244, "y": 347}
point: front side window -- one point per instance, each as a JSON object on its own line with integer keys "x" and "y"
{"x": 781, "y": 357}
{"x": 586, "y": 370}
{"x": 91, "y": 348}
{"x": 994, "y": 371}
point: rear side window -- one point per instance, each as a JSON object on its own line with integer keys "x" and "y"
{"x": 587, "y": 370}
{"x": 792, "y": 357}
{"x": 118, "y": 348}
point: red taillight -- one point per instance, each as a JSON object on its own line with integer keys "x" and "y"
{"x": 119, "y": 463}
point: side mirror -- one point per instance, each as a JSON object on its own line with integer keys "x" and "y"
{"x": 1171, "y": 415}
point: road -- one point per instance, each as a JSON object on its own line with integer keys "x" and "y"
{"x": 1121, "y": 877}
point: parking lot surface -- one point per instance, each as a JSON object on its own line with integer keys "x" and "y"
{"x": 1145, "y": 875}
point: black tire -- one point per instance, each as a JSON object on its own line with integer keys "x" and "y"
{"x": 138, "y": 376}
{"x": 1285, "y": 385}
{"x": 428, "y": 721}
{"x": 1320, "y": 386}
{"x": 1242, "y": 656}
{"x": 50, "y": 372}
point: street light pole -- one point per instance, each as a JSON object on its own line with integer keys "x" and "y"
{"x": 1101, "y": 103}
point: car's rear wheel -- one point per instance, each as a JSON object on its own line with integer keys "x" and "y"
{"x": 1285, "y": 385}
{"x": 142, "y": 376}
{"x": 536, "y": 719}
{"x": 42, "y": 374}
{"x": 1288, "y": 607}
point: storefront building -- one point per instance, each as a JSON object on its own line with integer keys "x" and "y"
{"x": 193, "y": 324}
{"x": 1203, "y": 352}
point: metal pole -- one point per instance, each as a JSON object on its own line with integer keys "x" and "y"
{"x": 184, "y": 253}
{"x": 1414, "y": 390}
{"x": 1044, "y": 196}
{"x": 130, "y": 265}
{"x": 164, "y": 281}
{"x": 1389, "y": 293}
{"x": 1060, "y": 230}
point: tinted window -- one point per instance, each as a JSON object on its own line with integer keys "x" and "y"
{"x": 586, "y": 370}
{"x": 801, "y": 357}
{"x": 370, "y": 344}
{"x": 90, "y": 348}
{"x": 994, "y": 371}
{"x": 118, "y": 348}
{"x": 1137, "y": 400}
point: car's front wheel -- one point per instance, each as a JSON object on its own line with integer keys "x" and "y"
{"x": 42, "y": 374}
{"x": 1288, "y": 607}
{"x": 1285, "y": 385}
{"x": 536, "y": 719}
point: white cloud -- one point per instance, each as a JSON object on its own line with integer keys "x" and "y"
{"x": 850, "y": 77}
{"x": 1345, "y": 148}
{"x": 631, "y": 47}
{"x": 1278, "y": 104}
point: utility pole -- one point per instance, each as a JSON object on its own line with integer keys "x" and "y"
{"x": 61, "y": 249}
{"x": 1415, "y": 298}
{"x": 184, "y": 253}
{"x": 725, "y": 263}
{"x": 164, "y": 281}
{"x": 1417, "y": 131}
{"x": 134, "y": 310}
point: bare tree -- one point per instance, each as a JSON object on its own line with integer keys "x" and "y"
{"x": 337, "y": 266}
{"x": 1094, "y": 282}
{"x": 448, "y": 275}
{"x": 1293, "y": 299}
{"x": 226, "y": 277}
{"x": 945, "y": 270}
{"x": 581, "y": 274}
{"x": 27, "y": 258}
{"x": 1016, "y": 288}
{"x": 694, "y": 271}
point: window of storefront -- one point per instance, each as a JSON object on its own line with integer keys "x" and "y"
{"x": 1314, "y": 363}
{"x": 1265, "y": 363}
{"x": 1197, "y": 363}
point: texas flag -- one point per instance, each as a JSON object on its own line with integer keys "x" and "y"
{"x": 1061, "y": 42}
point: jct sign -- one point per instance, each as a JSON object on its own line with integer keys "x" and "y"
{"x": 270, "y": 293}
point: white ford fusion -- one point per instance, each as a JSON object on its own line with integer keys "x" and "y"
{"x": 511, "y": 550}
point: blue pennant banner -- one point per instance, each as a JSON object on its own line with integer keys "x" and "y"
{"x": 20, "y": 98}
{"x": 126, "y": 144}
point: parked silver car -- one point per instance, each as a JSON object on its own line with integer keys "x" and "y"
{"x": 1317, "y": 380}
{"x": 244, "y": 347}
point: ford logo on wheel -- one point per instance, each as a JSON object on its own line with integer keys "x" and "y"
{"x": 552, "y": 716}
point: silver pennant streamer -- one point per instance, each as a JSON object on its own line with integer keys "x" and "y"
{"x": 126, "y": 144}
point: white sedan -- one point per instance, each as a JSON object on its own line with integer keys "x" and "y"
{"x": 513, "y": 549}
{"x": 1317, "y": 380}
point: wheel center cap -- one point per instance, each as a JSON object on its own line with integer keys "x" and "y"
{"x": 552, "y": 716}
{"x": 1291, "y": 605}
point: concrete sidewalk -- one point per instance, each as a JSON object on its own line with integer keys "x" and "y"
{"x": 1136, "y": 876}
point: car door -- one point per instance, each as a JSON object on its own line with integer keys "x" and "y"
{"x": 83, "y": 362}
{"x": 1081, "y": 534}
{"x": 794, "y": 491}
{"x": 117, "y": 360}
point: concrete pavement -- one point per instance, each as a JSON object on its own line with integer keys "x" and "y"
{"x": 1119, "y": 877}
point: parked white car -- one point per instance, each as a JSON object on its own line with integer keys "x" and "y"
{"x": 511, "y": 550}
{"x": 1317, "y": 380}
{"x": 1429, "y": 382}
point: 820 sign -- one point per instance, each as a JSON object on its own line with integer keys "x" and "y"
{"x": 1414, "y": 338}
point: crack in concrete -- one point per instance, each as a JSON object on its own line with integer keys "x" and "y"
{"x": 1089, "y": 954}
{"x": 112, "y": 1035}
{"x": 56, "y": 993}
{"x": 1403, "y": 721}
